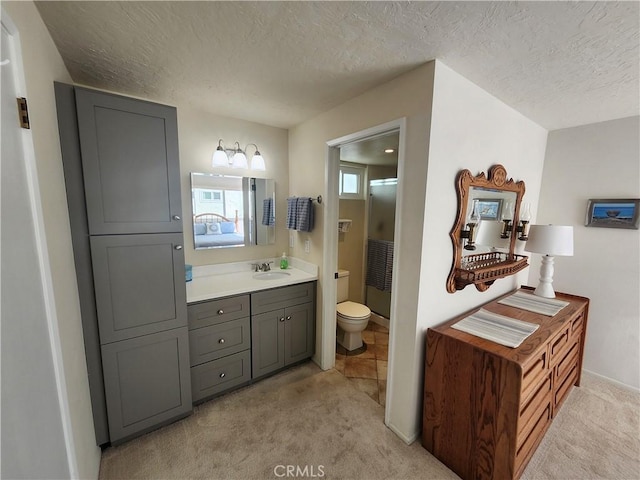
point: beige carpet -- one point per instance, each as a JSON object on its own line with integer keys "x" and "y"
{"x": 317, "y": 420}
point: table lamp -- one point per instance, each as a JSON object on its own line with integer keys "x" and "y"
{"x": 550, "y": 241}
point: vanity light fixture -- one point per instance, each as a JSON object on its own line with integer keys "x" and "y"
{"x": 550, "y": 241}
{"x": 236, "y": 158}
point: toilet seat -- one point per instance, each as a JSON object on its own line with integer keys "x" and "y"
{"x": 353, "y": 311}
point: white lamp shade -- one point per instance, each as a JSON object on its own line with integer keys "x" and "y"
{"x": 220, "y": 159}
{"x": 552, "y": 240}
{"x": 257, "y": 162}
{"x": 240, "y": 160}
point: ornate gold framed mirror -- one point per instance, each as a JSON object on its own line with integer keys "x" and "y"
{"x": 486, "y": 229}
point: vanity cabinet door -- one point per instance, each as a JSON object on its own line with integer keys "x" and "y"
{"x": 299, "y": 333}
{"x": 267, "y": 342}
{"x": 130, "y": 164}
{"x": 147, "y": 382}
{"x": 139, "y": 284}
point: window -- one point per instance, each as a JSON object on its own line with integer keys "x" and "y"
{"x": 351, "y": 182}
{"x": 210, "y": 195}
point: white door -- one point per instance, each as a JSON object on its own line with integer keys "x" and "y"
{"x": 33, "y": 440}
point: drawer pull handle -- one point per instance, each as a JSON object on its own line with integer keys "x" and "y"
{"x": 282, "y": 319}
{"x": 220, "y": 312}
{"x": 222, "y": 375}
{"x": 178, "y": 247}
{"x": 221, "y": 340}
{"x": 289, "y": 317}
{"x": 176, "y": 217}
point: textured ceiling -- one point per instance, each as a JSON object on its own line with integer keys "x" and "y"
{"x": 279, "y": 63}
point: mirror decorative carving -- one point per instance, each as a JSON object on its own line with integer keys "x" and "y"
{"x": 486, "y": 229}
{"x": 230, "y": 211}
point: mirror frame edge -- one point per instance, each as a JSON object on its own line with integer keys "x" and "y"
{"x": 496, "y": 179}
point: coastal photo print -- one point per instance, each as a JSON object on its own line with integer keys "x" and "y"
{"x": 616, "y": 213}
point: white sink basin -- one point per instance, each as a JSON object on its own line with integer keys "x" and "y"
{"x": 274, "y": 275}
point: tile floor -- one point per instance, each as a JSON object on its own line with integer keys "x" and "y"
{"x": 367, "y": 368}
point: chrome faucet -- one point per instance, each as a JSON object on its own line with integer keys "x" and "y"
{"x": 261, "y": 267}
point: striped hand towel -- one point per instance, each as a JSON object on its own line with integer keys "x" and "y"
{"x": 268, "y": 217}
{"x": 305, "y": 214}
{"x": 379, "y": 264}
{"x": 292, "y": 212}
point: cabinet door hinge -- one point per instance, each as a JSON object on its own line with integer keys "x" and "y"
{"x": 23, "y": 112}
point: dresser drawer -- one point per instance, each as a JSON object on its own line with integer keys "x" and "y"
{"x": 532, "y": 374}
{"x": 217, "y": 311}
{"x": 527, "y": 442}
{"x": 530, "y": 411}
{"x": 217, "y": 341}
{"x": 568, "y": 361}
{"x": 283, "y": 297}
{"x": 558, "y": 345}
{"x": 563, "y": 386}
{"x": 220, "y": 375}
{"x": 577, "y": 325}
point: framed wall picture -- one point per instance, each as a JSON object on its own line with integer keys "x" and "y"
{"x": 613, "y": 213}
{"x": 490, "y": 208}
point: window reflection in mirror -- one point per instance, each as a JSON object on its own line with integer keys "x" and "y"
{"x": 231, "y": 211}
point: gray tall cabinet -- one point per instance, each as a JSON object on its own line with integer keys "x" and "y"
{"x": 122, "y": 177}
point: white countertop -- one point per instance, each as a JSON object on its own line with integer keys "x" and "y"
{"x": 222, "y": 280}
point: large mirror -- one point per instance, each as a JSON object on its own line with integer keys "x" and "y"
{"x": 231, "y": 211}
{"x": 486, "y": 229}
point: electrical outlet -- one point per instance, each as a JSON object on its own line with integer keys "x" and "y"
{"x": 307, "y": 246}
{"x": 291, "y": 240}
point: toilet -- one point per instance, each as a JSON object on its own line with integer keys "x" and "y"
{"x": 352, "y": 317}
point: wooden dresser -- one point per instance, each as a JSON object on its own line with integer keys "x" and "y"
{"x": 487, "y": 406}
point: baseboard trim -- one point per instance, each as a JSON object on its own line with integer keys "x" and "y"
{"x": 617, "y": 382}
{"x": 406, "y": 439}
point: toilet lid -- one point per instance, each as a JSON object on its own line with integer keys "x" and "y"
{"x": 353, "y": 310}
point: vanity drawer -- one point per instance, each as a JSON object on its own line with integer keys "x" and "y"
{"x": 215, "y": 377}
{"x": 274, "y": 299}
{"x": 217, "y": 341}
{"x": 217, "y": 311}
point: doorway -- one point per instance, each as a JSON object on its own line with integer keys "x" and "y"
{"x": 330, "y": 237}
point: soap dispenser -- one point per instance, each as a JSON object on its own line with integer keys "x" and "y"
{"x": 284, "y": 263}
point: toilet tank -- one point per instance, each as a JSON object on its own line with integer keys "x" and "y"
{"x": 343, "y": 285}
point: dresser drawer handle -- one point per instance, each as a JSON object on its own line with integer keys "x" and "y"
{"x": 221, "y": 340}
{"x": 220, "y": 312}
{"x": 222, "y": 375}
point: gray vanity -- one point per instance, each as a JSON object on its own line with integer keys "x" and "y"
{"x": 235, "y": 340}
{"x": 143, "y": 345}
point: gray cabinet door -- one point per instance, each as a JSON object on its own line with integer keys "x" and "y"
{"x": 299, "y": 333}
{"x": 139, "y": 283}
{"x": 130, "y": 164}
{"x": 147, "y": 382}
{"x": 267, "y": 342}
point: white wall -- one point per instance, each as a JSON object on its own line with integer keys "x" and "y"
{"x": 471, "y": 130}
{"x": 198, "y": 135}
{"x": 43, "y": 65}
{"x": 467, "y": 128}
{"x": 407, "y": 96}
{"x": 601, "y": 160}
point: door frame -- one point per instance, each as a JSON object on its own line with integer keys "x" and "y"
{"x": 330, "y": 242}
{"x": 42, "y": 251}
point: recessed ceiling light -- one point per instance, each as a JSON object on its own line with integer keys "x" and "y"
{"x": 389, "y": 150}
